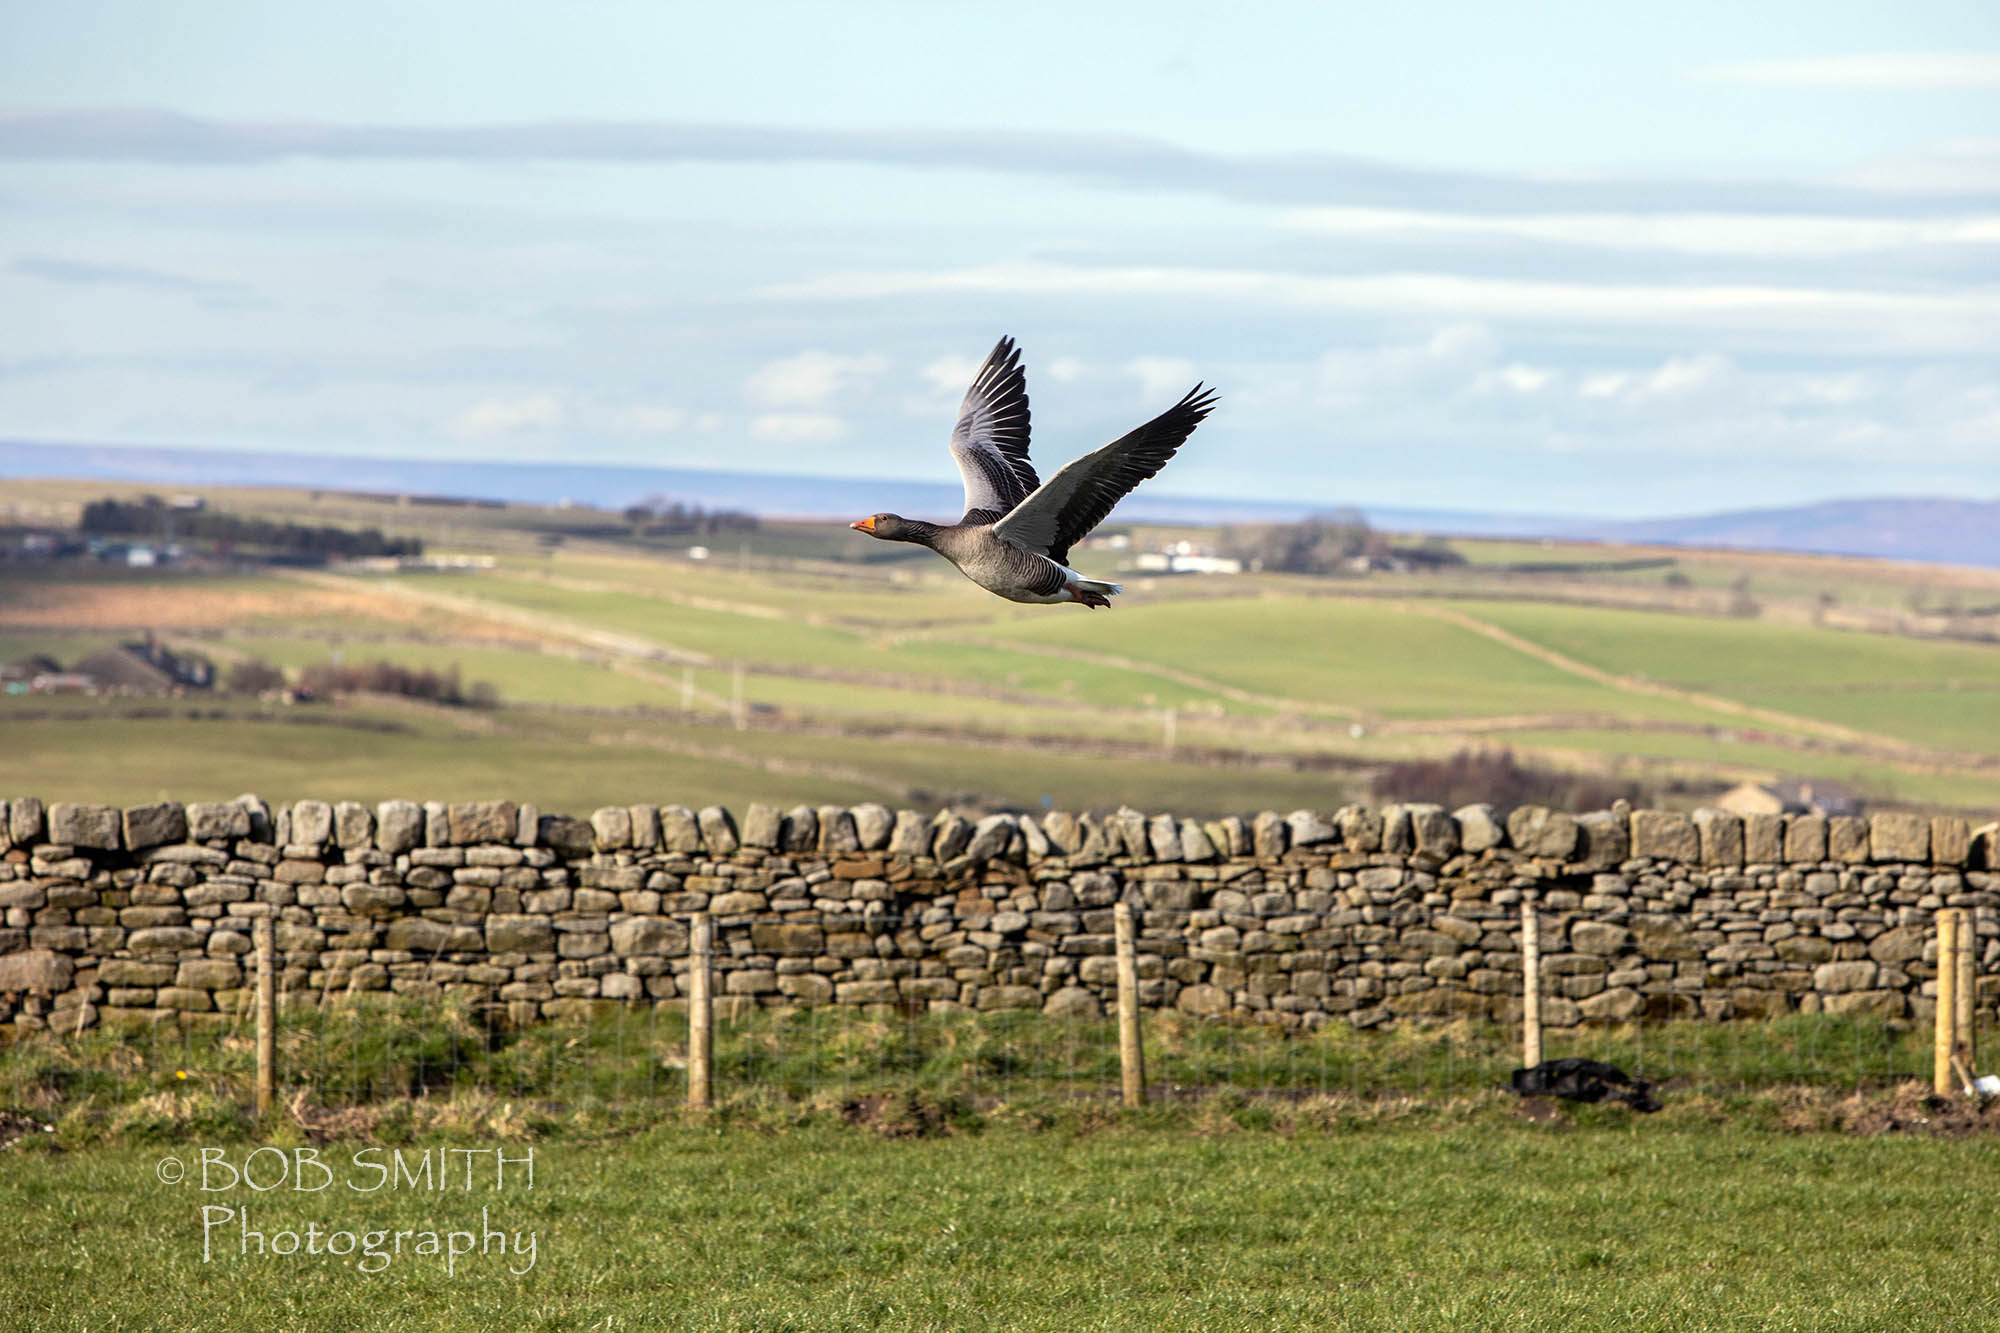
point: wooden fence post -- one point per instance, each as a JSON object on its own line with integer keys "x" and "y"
{"x": 701, "y": 1014}
{"x": 264, "y": 935}
{"x": 1968, "y": 962}
{"x": 1531, "y": 982}
{"x": 1131, "y": 1056}
{"x": 1944, "y": 1031}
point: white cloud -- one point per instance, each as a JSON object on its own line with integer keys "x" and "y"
{"x": 1915, "y": 69}
{"x": 1684, "y": 375}
{"x": 1958, "y": 165}
{"x": 1515, "y": 378}
{"x": 650, "y": 420}
{"x": 1066, "y": 370}
{"x": 950, "y": 374}
{"x": 810, "y": 378}
{"x": 1676, "y": 377}
{"x": 1893, "y": 318}
{"x": 510, "y": 416}
{"x": 1162, "y": 376}
{"x": 1345, "y": 377}
{"x": 122, "y": 134}
{"x": 1754, "y": 235}
{"x": 797, "y": 428}
{"x": 1833, "y": 390}
{"x": 1462, "y": 386}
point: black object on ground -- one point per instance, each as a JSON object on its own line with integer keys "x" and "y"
{"x": 1579, "y": 1080}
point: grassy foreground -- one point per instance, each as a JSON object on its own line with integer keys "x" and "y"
{"x": 973, "y": 1171}
{"x": 1616, "y": 1225}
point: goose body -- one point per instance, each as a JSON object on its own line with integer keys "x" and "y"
{"x": 1016, "y": 532}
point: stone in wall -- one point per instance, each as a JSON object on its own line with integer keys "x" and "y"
{"x": 399, "y": 826}
{"x": 1899, "y": 836}
{"x": 763, "y": 825}
{"x": 1805, "y": 838}
{"x": 611, "y": 827}
{"x": 152, "y": 825}
{"x": 1536, "y": 831}
{"x": 25, "y": 818}
{"x": 97, "y": 827}
{"x": 872, "y": 826}
{"x": 353, "y": 826}
{"x": 1479, "y": 830}
{"x": 1665, "y": 835}
{"x": 1436, "y": 833}
{"x": 471, "y": 822}
{"x": 217, "y": 821}
{"x": 1603, "y": 840}
{"x": 1951, "y": 840}
{"x": 1720, "y": 835}
{"x": 1763, "y": 839}
{"x": 1847, "y": 839}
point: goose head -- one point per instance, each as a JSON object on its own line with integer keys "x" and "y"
{"x": 886, "y": 527}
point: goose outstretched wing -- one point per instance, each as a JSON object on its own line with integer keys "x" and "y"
{"x": 990, "y": 442}
{"x": 1068, "y": 505}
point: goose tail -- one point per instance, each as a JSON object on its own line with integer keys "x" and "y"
{"x": 1093, "y": 593}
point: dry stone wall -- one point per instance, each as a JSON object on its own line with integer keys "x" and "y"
{"x": 1362, "y": 916}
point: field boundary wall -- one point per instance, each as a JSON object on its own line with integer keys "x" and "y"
{"x": 1362, "y": 916}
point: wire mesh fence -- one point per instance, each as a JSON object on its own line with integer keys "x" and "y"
{"x": 1025, "y": 1023}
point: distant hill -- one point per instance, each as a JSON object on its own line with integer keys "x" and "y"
{"x": 604, "y": 486}
{"x": 1949, "y": 531}
{"x": 1962, "y": 532}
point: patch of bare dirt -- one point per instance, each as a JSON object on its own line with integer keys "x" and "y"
{"x": 906, "y": 1115}
{"x": 1541, "y": 1111}
{"x": 1908, "y": 1108}
{"x": 14, "y": 1125}
{"x": 193, "y": 604}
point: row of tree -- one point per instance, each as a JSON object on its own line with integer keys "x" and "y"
{"x": 657, "y": 516}
{"x": 153, "y": 518}
{"x": 1324, "y": 544}
{"x": 256, "y": 676}
{"x": 1498, "y": 778}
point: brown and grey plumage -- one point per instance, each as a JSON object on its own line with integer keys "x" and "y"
{"x": 1015, "y": 535}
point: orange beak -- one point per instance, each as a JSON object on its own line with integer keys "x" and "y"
{"x": 865, "y": 525}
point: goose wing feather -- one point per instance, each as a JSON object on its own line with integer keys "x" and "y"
{"x": 1063, "y": 510}
{"x": 990, "y": 442}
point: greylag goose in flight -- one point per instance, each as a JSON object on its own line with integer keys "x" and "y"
{"x": 1015, "y": 535}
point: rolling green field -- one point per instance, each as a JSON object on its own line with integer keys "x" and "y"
{"x": 1928, "y": 692}
{"x": 571, "y": 765}
{"x": 1616, "y": 1225}
{"x": 866, "y": 677}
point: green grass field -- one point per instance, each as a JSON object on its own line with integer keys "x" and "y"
{"x": 1932, "y": 693}
{"x": 1727, "y": 654}
{"x": 973, "y": 1171}
{"x": 577, "y": 764}
{"x": 1617, "y": 1225}
{"x": 1364, "y": 657}
{"x": 894, "y": 678}
{"x": 109, "y": 1085}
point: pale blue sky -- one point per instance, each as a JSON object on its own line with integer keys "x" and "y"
{"x": 1613, "y": 258}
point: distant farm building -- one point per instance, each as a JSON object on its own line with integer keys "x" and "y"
{"x": 1792, "y": 797}
{"x": 145, "y": 667}
{"x": 1169, "y": 563}
{"x": 1186, "y": 558}
{"x": 19, "y": 677}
